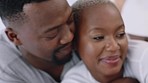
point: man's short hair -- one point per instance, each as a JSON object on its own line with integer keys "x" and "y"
{"x": 12, "y": 10}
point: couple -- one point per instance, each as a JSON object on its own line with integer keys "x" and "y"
{"x": 36, "y": 46}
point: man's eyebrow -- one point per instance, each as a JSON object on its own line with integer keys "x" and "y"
{"x": 55, "y": 27}
{"x": 70, "y": 16}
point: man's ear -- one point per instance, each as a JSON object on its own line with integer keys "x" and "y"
{"x": 12, "y": 35}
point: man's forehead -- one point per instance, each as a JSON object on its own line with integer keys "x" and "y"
{"x": 49, "y": 13}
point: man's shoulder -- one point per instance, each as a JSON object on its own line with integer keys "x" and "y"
{"x": 8, "y": 51}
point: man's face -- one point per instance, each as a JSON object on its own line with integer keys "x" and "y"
{"x": 102, "y": 43}
{"x": 48, "y": 32}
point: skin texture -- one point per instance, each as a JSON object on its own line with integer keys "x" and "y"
{"x": 102, "y": 43}
{"x": 126, "y": 80}
{"x": 45, "y": 37}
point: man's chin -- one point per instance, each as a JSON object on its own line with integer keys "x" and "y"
{"x": 62, "y": 54}
{"x": 63, "y": 60}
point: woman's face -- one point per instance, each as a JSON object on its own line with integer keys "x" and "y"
{"x": 102, "y": 43}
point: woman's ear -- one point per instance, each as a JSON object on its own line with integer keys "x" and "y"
{"x": 12, "y": 35}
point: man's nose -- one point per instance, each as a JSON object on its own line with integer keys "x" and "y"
{"x": 67, "y": 35}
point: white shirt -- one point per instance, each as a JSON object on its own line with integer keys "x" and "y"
{"x": 79, "y": 74}
{"x": 15, "y": 69}
{"x": 136, "y": 65}
{"x": 2, "y": 26}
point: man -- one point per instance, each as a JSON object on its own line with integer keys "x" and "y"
{"x": 36, "y": 45}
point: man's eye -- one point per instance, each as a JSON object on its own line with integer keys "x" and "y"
{"x": 52, "y": 35}
{"x": 98, "y": 38}
{"x": 121, "y": 35}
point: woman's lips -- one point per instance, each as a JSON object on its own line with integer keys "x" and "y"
{"x": 110, "y": 59}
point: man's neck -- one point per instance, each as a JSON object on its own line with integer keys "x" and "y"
{"x": 51, "y": 68}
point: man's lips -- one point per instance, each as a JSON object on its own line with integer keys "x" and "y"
{"x": 66, "y": 49}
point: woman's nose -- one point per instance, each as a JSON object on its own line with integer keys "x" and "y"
{"x": 112, "y": 45}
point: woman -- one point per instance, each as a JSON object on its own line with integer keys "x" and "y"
{"x": 101, "y": 43}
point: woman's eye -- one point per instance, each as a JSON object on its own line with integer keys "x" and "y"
{"x": 121, "y": 35}
{"x": 98, "y": 37}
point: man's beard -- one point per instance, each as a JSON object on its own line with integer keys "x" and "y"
{"x": 60, "y": 61}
